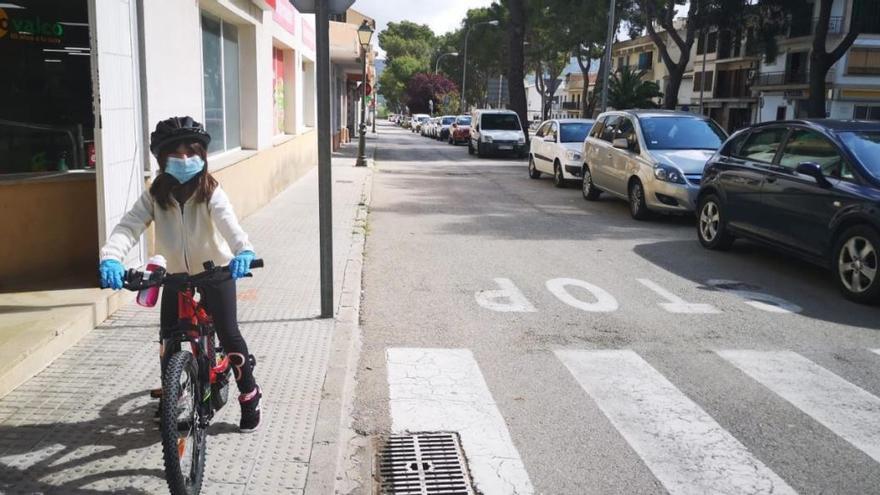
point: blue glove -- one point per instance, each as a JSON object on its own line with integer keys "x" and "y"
{"x": 241, "y": 264}
{"x": 111, "y": 274}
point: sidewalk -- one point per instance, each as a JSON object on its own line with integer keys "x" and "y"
{"x": 84, "y": 424}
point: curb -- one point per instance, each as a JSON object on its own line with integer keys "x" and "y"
{"x": 336, "y": 446}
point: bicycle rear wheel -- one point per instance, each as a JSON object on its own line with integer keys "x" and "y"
{"x": 183, "y": 440}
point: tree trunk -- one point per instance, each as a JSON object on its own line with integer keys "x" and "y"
{"x": 670, "y": 95}
{"x": 822, "y": 60}
{"x": 516, "y": 72}
{"x": 816, "y": 106}
{"x": 585, "y": 73}
{"x": 599, "y": 85}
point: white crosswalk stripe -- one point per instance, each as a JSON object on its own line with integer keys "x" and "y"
{"x": 680, "y": 443}
{"x": 847, "y": 410}
{"x": 444, "y": 390}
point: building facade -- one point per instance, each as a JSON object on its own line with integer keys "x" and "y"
{"x": 85, "y": 90}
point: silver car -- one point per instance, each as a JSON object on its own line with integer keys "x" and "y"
{"x": 652, "y": 158}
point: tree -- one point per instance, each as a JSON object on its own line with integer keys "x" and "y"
{"x": 626, "y": 89}
{"x": 408, "y": 47}
{"x": 821, "y": 59}
{"x": 424, "y": 88}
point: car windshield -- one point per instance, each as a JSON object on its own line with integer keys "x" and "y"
{"x": 574, "y": 132}
{"x": 448, "y": 120}
{"x": 463, "y": 121}
{"x": 424, "y": 119}
{"x": 500, "y": 122}
{"x": 681, "y": 133}
{"x": 866, "y": 147}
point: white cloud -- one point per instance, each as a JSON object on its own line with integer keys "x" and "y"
{"x": 442, "y": 16}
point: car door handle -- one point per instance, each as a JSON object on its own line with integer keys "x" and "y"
{"x": 770, "y": 180}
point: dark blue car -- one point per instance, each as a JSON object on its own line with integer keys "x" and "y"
{"x": 808, "y": 187}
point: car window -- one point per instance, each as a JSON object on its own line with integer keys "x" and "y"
{"x": 625, "y": 129}
{"x": 681, "y": 133}
{"x": 542, "y": 131}
{"x": 865, "y": 145}
{"x": 448, "y": 120}
{"x": 574, "y": 132}
{"x": 610, "y": 125}
{"x": 808, "y": 146}
{"x": 500, "y": 122}
{"x": 596, "y": 131}
{"x": 554, "y": 130}
{"x": 761, "y": 146}
{"x": 463, "y": 121}
{"x": 733, "y": 145}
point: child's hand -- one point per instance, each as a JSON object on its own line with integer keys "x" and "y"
{"x": 241, "y": 264}
{"x": 111, "y": 272}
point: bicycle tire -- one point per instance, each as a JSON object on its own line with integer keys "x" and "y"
{"x": 182, "y": 365}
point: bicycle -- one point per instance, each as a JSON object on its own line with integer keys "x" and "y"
{"x": 195, "y": 381}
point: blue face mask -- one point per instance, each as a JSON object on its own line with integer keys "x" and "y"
{"x": 184, "y": 169}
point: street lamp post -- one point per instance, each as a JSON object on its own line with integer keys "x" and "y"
{"x": 467, "y": 33}
{"x": 437, "y": 65}
{"x": 365, "y": 33}
{"x": 609, "y": 41}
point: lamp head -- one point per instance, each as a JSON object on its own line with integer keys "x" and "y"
{"x": 365, "y": 34}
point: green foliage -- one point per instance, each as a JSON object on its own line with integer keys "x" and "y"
{"x": 408, "y": 47}
{"x": 627, "y": 90}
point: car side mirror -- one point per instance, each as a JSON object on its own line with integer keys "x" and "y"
{"x": 813, "y": 170}
{"x": 620, "y": 143}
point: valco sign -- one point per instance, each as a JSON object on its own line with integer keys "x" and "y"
{"x": 29, "y": 29}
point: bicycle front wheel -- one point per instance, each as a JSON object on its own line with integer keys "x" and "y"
{"x": 183, "y": 440}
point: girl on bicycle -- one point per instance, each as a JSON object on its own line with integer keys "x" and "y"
{"x": 194, "y": 222}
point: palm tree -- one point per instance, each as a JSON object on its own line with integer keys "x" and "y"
{"x": 627, "y": 90}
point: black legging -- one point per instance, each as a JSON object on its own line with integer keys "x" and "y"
{"x": 220, "y": 302}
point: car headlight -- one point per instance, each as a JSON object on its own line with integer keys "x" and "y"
{"x": 573, "y": 156}
{"x": 668, "y": 174}
{"x": 487, "y": 139}
{"x": 521, "y": 140}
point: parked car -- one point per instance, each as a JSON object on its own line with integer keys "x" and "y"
{"x": 652, "y": 158}
{"x": 443, "y": 127}
{"x": 418, "y": 120}
{"x": 460, "y": 132}
{"x": 809, "y": 187}
{"x": 427, "y": 127}
{"x": 406, "y": 121}
{"x": 497, "y": 131}
{"x": 557, "y": 149}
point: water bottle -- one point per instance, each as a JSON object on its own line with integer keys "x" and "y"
{"x": 150, "y": 296}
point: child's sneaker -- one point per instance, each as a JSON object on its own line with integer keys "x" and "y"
{"x": 250, "y": 412}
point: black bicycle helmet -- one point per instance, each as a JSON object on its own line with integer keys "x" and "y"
{"x": 177, "y": 129}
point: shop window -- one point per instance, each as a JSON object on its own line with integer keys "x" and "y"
{"x": 866, "y": 113}
{"x": 46, "y": 116}
{"x": 222, "y": 96}
{"x": 863, "y": 61}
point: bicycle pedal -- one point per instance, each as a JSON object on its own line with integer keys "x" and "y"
{"x": 156, "y": 393}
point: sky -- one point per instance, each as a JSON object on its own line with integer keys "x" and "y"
{"x": 442, "y": 16}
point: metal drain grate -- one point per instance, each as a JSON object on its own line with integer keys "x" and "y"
{"x": 423, "y": 464}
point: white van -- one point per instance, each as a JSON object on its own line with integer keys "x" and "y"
{"x": 497, "y": 131}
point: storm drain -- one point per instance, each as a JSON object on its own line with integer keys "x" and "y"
{"x": 423, "y": 464}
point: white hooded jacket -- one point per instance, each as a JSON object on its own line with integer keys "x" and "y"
{"x": 201, "y": 232}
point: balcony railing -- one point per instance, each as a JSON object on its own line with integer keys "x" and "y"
{"x": 807, "y": 27}
{"x": 780, "y": 78}
{"x": 571, "y": 105}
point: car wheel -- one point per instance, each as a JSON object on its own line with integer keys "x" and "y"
{"x": 590, "y": 192}
{"x": 637, "y": 207}
{"x": 855, "y": 264}
{"x": 534, "y": 173}
{"x": 712, "y": 226}
{"x": 558, "y": 178}
{"x": 470, "y": 148}
{"x": 451, "y": 141}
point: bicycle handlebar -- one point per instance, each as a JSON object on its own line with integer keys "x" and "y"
{"x": 135, "y": 280}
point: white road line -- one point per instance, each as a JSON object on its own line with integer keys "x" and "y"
{"x": 875, "y": 351}
{"x": 756, "y": 299}
{"x": 444, "y": 390}
{"x": 680, "y": 443}
{"x": 847, "y": 410}
{"x": 676, "y": 304}
{"x": 507, "y": 299}
{"x": 605, "y": 302}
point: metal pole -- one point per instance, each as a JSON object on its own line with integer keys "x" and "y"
{"x": 464, "y": 70}
{"x": 325, "y": 212}
{"x": 373, "y": 105}
{"x": 500, "y": 82}
{"x": 703, "y": 74}
{"x": 609, "y": 41}
{"x": 361, "y": 159}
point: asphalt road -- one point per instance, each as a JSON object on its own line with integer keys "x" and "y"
{"x": 622, "y": 357}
